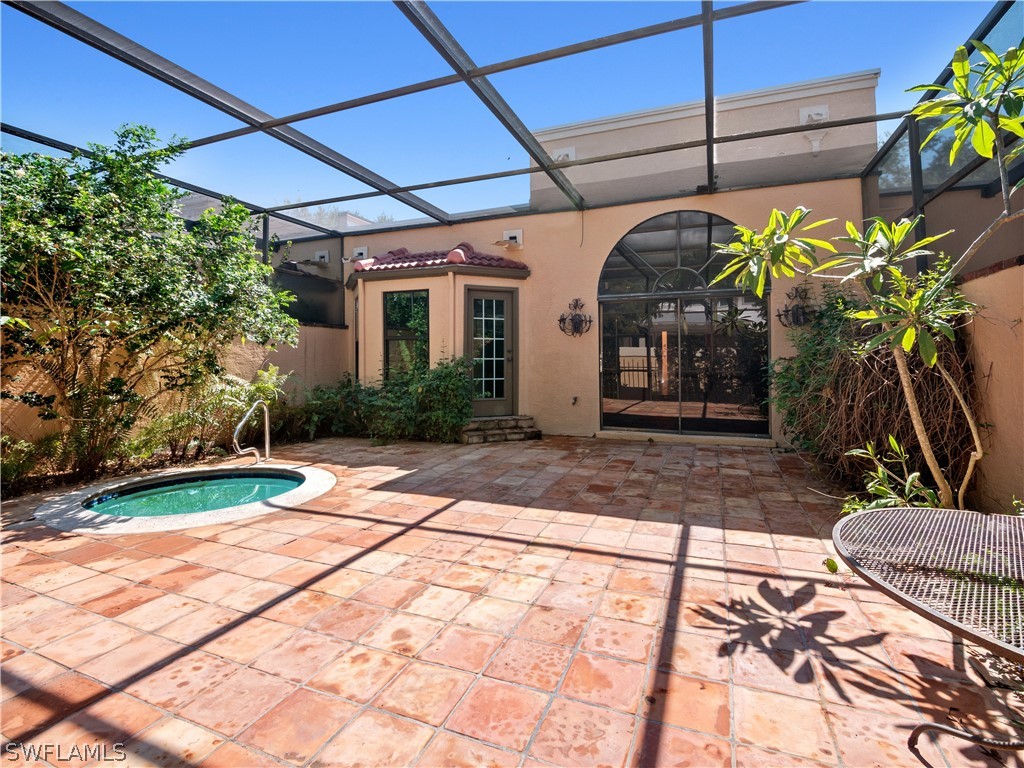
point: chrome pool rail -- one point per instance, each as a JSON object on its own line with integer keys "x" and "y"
{"x": 266, "y": 433}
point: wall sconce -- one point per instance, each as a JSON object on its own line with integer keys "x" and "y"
{"x": 575, "y": 323}
{"x": 797, "y": 311}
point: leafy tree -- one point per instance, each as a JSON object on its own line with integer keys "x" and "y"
{"x": 984, "y": 106}
{"x": 110, "y": 300}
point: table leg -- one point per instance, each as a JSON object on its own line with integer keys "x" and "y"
{"x": 971, "y": 737}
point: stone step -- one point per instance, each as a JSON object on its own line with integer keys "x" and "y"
{"x": 485, "y": 423}
{"x": 481, "y": 436}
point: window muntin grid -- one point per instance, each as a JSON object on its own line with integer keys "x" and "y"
{"x": 489, "y": 348}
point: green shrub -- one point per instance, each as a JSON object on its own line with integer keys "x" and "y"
{"x": 334, "y": 410}
{"x": 423, "y": 404}
{"x": 444, "y": 401}
{"x": 203, "y": 417}
{"x": 20, "y": 458}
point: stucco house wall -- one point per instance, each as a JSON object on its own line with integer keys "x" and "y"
{"x": 565, "y": 253}
{"x": 826, "y": 153}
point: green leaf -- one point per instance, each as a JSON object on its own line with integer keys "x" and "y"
{"x": 825, "y": 245}
{"x": 962, "y": 133}
{"x": 817, "y": 224}
{"x": 830, "y": 264}
{"x": 990, "y": 56}
{"x": 961, "y": 64}
{"x": 1013, "y": 125}
{"x": 983, "y": 138}
{"x": 909, "y": 336}
{"x": 926, "y": 346}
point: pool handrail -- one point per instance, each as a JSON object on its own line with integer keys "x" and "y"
{"x": 266, "y": 433}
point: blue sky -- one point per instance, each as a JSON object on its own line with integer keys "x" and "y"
{"x": 286, "y": 57}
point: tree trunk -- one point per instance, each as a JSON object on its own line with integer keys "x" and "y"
{"x": 945, "y": 492}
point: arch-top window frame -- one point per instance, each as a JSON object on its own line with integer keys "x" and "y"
{"x": 658, "y": 255}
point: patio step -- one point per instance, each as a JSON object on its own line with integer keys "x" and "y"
{"x": 499, "y": 429}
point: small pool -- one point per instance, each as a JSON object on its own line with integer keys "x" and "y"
{"x": 186, "y": 495}
{"x": 181, "y": 499}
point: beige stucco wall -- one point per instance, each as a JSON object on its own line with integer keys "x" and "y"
{"x": 565, "y": 253}
{"x": 814, "y": 154}
{"x": 997, "y": 346}
{"x": 322, "y": 356}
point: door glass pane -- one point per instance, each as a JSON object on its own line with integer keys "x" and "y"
{"x": 694, "y": 364}
{"x": 725, "y": 352}
{"x": 489, "y": 348}
{"x": 640, "y": 365}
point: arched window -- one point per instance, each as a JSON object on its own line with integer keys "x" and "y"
{"x": 673, "y": 251}
{"x": 678, "y": 354}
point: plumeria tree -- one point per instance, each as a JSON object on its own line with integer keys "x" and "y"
{"x": 912, "y": 313}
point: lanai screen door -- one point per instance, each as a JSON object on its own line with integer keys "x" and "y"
{"x": 676, "y": 355}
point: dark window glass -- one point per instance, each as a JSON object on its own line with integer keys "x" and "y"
{"x": 406, "y": 331}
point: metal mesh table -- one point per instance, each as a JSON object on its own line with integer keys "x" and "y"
{"x": 962, "y": 570}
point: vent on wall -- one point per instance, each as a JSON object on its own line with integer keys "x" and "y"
{"x": 361, "y": 252}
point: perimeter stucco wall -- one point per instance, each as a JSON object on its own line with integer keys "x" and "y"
{"x": 997, "y": 346}
{"x": 565, "y": 253}
{"x": 321, "y": 357}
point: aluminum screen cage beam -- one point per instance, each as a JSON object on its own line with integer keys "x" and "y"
{"x": 708, "y": 38}
{"x": 445, "y": 44}
{"x": 127, "y": 51}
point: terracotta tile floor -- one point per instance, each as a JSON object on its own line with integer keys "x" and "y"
{"x": 565, "y": 602}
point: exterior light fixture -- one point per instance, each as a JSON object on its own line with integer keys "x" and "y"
{"x": 797, "y": 311}
{"x": 575, "y": 323}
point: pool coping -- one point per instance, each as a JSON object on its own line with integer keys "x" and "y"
{"x": 67, "y": 513}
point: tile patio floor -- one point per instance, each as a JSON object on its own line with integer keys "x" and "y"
{"x": 565, "y": 602}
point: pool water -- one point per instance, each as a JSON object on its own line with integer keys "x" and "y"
{"x": 176, "y": 497}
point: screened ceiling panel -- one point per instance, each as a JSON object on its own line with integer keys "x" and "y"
{"x": 193, "y": 205}
{"x": 664, "y": 174}
{"x": 381, "y": 210}
{"x": 498, "y": 31}
{"x": 354, "y": 213}
{"x": 263, "y": 171}
{"x": 284, "y": 230}
{"x": 283, "y": 57}
{"x": 822, "y": 39}
{"x": 66, "y": 90}
{"x": 509, "y": 194}
{"x": 1009, "y": 31}
{"x": 604, "y": 87}
{"x": 782, "y": 68}
{"x": 443, "y": 133}
{"x": 893, "y": 171}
